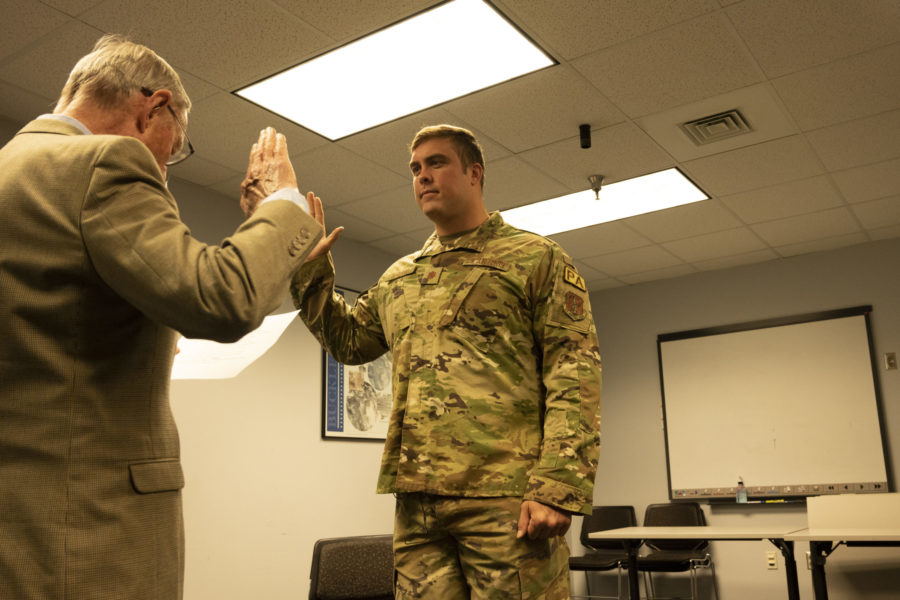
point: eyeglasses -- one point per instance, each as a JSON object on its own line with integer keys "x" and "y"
{"x": 186, "y": 148}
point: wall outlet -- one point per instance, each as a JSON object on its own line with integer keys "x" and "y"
{"x": 771, "y": 560}
{"x": 890, "y": 361}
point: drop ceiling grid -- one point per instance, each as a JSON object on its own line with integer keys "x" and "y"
{"x": 833, "y": 180}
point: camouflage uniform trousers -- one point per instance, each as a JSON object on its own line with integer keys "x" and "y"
{"x": 454, "y": 548}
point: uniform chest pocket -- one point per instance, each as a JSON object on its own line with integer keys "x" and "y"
{"x": 398, "y": 316}
{"x": 480, "y": 306}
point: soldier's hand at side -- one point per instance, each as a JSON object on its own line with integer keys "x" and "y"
{"x": 318, "y": 213}
{"x": 539, "y": 521}
{"x": 268, "y": 171}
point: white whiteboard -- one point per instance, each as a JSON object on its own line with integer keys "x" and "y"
{"x": 791, "y": 409}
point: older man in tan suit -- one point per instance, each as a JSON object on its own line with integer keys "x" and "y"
{"x": 97, "y": 274}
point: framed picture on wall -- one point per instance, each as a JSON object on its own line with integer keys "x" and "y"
{"x": 357, "y": 399}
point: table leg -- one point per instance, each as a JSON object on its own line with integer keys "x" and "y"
{"x": 631, "y": 546}
{"x": 819, "y": 552}
{"x": 790, "y": 567}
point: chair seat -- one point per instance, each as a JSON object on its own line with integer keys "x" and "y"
{"x": 670, "y": 561}
{"x": 602, "y": 560}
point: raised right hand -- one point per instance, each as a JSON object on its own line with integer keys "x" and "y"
{"x": 268, "y": 171}
{"x": 318, "y": 213}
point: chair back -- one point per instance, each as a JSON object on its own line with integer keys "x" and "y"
{"x": 606, "y": 517}
{"x": 675, "y": 514}
{"x": 353, "y": 568}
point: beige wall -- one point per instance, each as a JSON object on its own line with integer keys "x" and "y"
{"x": 633, "y": 460}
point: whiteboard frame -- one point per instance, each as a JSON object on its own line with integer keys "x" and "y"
{"x": 708, "y": 486}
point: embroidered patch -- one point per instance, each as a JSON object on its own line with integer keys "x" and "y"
{"x": 571, "y": 276}
{"x": 574, "y": 306}
{"x": 430, "y": 276}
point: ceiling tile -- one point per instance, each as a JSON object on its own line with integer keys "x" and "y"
{"x": 229, "y": 188}
{"x": 394, "y": 209}
{"x": 785, "y": 37}
{"x": 677, "y": 65}
{"x": 869, "y": 182}
{"x": 501, "y": 110}
{"x": 758, "y": 104}
{"x": 21, "y": 106}
{"x": 648, "y": 258}
{"x": 859, "y": 86}
{"x": 784, "y": 200}
{"x": 884, "y": 233}
{"x": 511, "y": 182}
{"x": 55, "y": 56}
{"x": 599, "y": 239}
{"x": 70, "y": 7}
{"x": 655, "y": 274}
{"x": 388, "y": 144}
{"x": 823, "y": 244}
{"x": 684, "y": 221}
{"x": 575, "y": 27}
{"x": 589, "y": 273}
{"x": 24, "y": 23}
{"x": 224, "y": 127}
{"x": 202, "y": 172}
{"x": 606, "y": 283}
{"x": 354, "y": 227}
{"x": 619, "y": 152}
{"x": 715, "y": 245}
{"x": 343, "y": 20}
{"x": 230, "y": 43}
{"x": 763, "y": 165}
{"x": 806, "y": 228}
{"x": 854, "y": 143}
{"x": 727, "y": 262}
{"x": 324, "y": 171}
{"x": 878, "y": 213}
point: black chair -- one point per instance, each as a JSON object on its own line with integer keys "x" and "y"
{"x": 674, "y": 556}
{"x": 603, "y": 555}
{"x": 353, "y": 568}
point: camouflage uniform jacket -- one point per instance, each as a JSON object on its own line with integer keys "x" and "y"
{"x": 496, "y": 369}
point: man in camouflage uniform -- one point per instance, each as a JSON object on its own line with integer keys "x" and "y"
{"x": 494, "y": 433}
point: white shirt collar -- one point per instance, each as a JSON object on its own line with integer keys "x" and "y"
{"x": 69, "y": 120}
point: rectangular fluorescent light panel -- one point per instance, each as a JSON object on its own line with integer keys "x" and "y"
{"x": 441, "y": 54}
{"x": 619, "y": 200}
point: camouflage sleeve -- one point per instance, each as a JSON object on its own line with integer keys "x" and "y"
{"x": 352, "y": 335}
{"x": 564, "y": 329}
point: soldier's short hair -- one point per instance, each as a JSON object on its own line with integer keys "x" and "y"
{"x": 467, "y": 147}
{"x": 117, "y": 68}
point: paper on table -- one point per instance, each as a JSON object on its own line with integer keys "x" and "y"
{"x": 205, "y": 359}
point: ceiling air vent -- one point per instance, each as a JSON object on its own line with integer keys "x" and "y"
{"x": 715, "y": 128}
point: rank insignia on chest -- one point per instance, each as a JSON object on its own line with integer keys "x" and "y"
{"x": 430, "y": 276}
{"x": 571, "y": 276}
{"x": 574, "y": 306}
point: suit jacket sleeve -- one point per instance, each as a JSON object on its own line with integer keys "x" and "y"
{"x": 139, "y": 246}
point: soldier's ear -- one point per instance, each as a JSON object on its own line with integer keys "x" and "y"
{"x": 477, "y": 173}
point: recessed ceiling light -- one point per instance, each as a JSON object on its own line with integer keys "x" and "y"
{"x": 619, "y": 200}
{"x": 454, "y": 49}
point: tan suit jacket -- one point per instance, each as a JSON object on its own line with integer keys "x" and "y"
{"x": 97, "y": 273}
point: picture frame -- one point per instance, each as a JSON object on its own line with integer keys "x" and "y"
{"x": 356, "y": 399}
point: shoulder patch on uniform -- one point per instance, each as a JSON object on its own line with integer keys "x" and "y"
{"x": 572, "y": 277}
{"x": 574, "y": 306}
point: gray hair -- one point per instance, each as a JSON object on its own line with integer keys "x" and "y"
{"x": 115, "y": 70}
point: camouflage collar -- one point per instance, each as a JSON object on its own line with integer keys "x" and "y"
{"x": 474, "y": 240}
